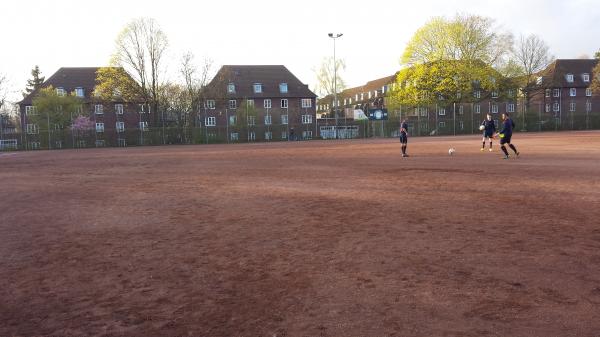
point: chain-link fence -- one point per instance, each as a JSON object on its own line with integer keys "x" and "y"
{"x": 422, "y": 121}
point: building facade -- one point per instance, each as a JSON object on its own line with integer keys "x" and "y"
{"x": 563, "y": 98}
{"x": 113, "y": 123}
{"x": 258, "y": 103}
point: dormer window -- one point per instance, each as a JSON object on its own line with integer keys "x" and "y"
{"x": 539, "y": 80}
{"x": 283, "y": 88}
{"x": 231, "y": 88}
{"x": 570, "y": 78}
{"x": 60, "y": 91}
{"x": 79, "y": 92}
{"x": 257, "y": 88}
{"x": 586, "y": 77}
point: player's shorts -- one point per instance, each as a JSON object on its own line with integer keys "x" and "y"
{"x": 403, "y": 138}
{"x": 505, "y": 139}
{"x": 488, "y": 134}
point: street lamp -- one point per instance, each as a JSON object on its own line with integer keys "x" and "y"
{"x": 335, "y": 36}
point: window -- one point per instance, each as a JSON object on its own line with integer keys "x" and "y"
{"x": 461, "y": 110}
{"x": 570, "y": 78}
{"x": 494, "y": 108}
{"x": 251, "y": 135}
{"x": 99, "y": 127}
{"x": 510, "y": 107}
{"x": 232, "y": 104}
{"x": 32, "y": 129}
{"x": 143, "y": 126}
{"x": 210, "y": 121}
{"x": 284, "y": 119}
{"x": 231, "y": 88}
{"x": 210, "y": 104}
{"x": 143, "y": 109}
{"x": 307, "y": 103}
{"x": 356, "y": 97}
{"x": 284, "y": 103}
{"x": 98, "y": 109}
{"x": 232, "y": 120}
{"x": 588, "y": 92}
{"x": 306, "y": 119}
{"x": 548, "y": 107}
{"x": 120, "y": 126}
{"x": 369, "y": 95}
{"x": 257, "y": 88}
{"x": 556, "y": 106}
{"x": 79, "y": 92}
{"x": 547, "y": 92}
{"x": 250, "y": 103}
{"x": 461, "y": 125}
{"x": 267, "y": 103}
{"x": 251, "y": 120}
{"x": 586, "y": 77}
{"x": 344, "y": 101}
{"x": 283, "y": 88}
{"x": 99, "y": 142}
{"x": 34, "y": 145}
{"x": 539, "y": 80}
{"x": 306, "y": 134}
{"x": 362, "y": 96}
{"x": 424, "y": 111}
{"x": 283, "y": 134}
{"x": 556, "y": 92}
{"x": 234, "y": 136}
{"x": 119, "y": 109}
{"x": 30, "y": 110}
{"x": 494, "y": 94}
{"x": 268, "y": 135}
{"x": 588, "y": 106}
{"x": 442, "y": 111}
{"x": 442, "y": 124}
{"x": 122, "y": 142}
{"x": 268, "y": 120}
{"x": 573, "y": 92}
{"x": 60, "y": 91}
{"x": 477, "y": 94}
{"x": 572, "y": 106}
{"x": 511, "y": 92}
{"x": 477, "y": 108}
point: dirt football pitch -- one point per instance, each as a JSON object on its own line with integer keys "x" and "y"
{"x": 319, "y": 238}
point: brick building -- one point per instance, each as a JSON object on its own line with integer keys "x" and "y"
{"x": 258, "y": 102}
{"x": 117, "y": 123}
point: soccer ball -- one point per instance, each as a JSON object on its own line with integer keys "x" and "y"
{"x": 451, "y": 151}
{"x": 481, "y": 128}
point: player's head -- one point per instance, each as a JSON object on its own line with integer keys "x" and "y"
{"x": 505, "y": 115}
{"x": 489, "y": 117}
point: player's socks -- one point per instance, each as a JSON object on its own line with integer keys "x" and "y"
{"x": 514, "y": 149}
{"x": 504, "y": 150}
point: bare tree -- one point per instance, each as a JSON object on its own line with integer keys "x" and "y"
{"x": 3, "y": 89}
{"x": 139, "y": 50}
{"x": 532, "y": 55}
{"x": 325, "y": 76}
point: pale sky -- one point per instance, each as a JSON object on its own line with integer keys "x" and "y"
{"x": 58, "y": 33}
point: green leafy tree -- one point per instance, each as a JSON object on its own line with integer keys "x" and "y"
{"x": 35, "y": 82}
{"x": 115, "y": 84}
{"x": 55, "y": 110}
{"x": 597, "y": 55}
{"x": 464, "y": 37}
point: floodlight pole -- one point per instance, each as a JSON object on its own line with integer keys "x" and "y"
{"x": 335, "y": 105}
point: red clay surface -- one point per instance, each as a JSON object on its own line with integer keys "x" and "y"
{"x": 340, "y": 238}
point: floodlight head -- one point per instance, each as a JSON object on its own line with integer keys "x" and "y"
{"x": 339, "y": 35}
{"x": 330, "y": 34}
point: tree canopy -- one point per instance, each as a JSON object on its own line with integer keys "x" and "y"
{"x": 53, "y": 108}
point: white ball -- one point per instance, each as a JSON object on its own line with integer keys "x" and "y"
{"x": 451, "y": 151}
{"x": 481, "y": 128}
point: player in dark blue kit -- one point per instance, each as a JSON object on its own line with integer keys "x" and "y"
{"x": 505, "y": 135}
{"x": 489, "y": 128}
{"x": 404, "y": 136}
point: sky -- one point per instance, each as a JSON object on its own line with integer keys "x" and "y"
{"x": 59, "y": 33}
